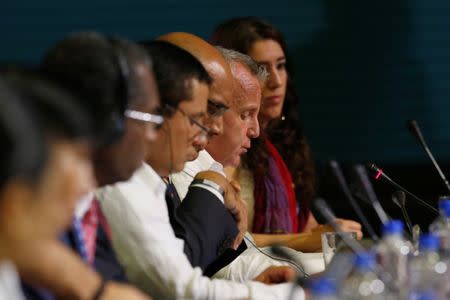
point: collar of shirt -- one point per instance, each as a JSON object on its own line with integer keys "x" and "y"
{"x": 183, "y": 179}
{"x": 203, "y": 162}
{"x": 151, "y": 179}
{"x": 208, "y": 162}
{"x": 83, "y": 205}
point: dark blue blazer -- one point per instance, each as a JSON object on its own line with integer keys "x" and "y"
{"x": 206, "y": 226}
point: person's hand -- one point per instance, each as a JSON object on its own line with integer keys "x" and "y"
{"x": 313, "y": 240}
{"x": 240, "y": 215}
{"x": 238, "y": 208}
{"x": 350, "y": 226}
{"x": 118, "y": 291}
{"x": 232, "y": 201}
{"x": 274, "y": 275}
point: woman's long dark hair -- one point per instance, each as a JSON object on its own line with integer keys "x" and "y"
{"x": 286, "y": 132}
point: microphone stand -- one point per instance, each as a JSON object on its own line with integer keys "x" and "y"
{"x": 344, "y": 186}
{"x": 415, "y": 130}
{"x": 380, "y": 175}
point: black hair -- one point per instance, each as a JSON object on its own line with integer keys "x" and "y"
{"x": 100, "y": 72}
{"x": 35, "y": 112}
{"x": 55, "y": 112}
{"x": 23, "y": 150}
{"x": 174, "y": 67}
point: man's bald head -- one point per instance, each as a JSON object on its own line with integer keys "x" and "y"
{"x": 207, "y": 54}
{"x": 221, "y": 90}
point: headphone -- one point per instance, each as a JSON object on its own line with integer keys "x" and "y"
{"x": 116, "y": 127}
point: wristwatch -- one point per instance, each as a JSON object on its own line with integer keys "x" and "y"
{"x": 211, "y": 184}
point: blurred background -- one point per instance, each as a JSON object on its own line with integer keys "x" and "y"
{"x": 363, "y": 68}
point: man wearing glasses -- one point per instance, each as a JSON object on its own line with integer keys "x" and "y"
{"x": 155, "y": 258}
{"x": 240, "y": 124}
{"x": 113, "y": 82}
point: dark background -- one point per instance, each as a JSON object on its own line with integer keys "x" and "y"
{"x": 362, "y": 69}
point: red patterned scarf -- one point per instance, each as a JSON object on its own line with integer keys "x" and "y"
{"x": 275, "y": 201}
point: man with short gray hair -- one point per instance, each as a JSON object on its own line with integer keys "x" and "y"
{"x": 240, "y": 121}
{"x": 233, "y": 57}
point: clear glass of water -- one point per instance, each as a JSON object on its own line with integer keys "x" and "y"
{"x": 331, "y": 241}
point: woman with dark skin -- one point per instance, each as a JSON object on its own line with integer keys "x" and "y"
{"x": 277, "y": 177}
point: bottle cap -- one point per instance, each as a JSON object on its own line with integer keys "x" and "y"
{"x": 323, "y": 287}
{"x": 393, "y": 227}
{"x": 444, "y": 206}
{"x": 428, "y": 242}
{"x": 365, "y": 261}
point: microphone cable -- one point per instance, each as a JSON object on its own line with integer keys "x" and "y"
{"x": 289, "y": 261}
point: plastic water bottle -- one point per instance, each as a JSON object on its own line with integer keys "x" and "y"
{"x": 441, "y": 226}
{"x": 324, "y": 289}
{"x": 393, "y": 252}
{"x": 364, "y": 283}
{"x": 428, "y": 274}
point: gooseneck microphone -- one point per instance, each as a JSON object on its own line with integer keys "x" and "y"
{"x": 337, "y": 171}
{"x": 356, "y": 247}
{"x": 415, "y": 130}
{"x": 379, "y": 175}
{"x": 399, "y": 198}
{"x": 365, "y": 181}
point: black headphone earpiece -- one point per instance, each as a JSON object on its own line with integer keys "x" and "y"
{"x": 117, "y": 128}
{"x": 117, "y": 120}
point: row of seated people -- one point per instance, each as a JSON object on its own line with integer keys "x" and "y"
{"x": 98, "y": 200}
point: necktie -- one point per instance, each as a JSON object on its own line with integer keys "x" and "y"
{"x": 171, "y": 194}
{"x": 90, "y": 225}
{"x": 79, "y": 238}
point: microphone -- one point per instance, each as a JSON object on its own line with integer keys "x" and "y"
{"x": 344, "y": 187}
{"x": 362, "y": 175}
{"x": 399, "y": 198}
{"x": 415, "y": 130}
{"x": 378, "y": 174}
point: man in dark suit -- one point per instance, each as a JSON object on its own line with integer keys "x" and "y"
{"x": 204, "y": 216}
{"x": 204, "y": 240}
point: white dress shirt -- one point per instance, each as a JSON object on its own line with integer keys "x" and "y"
{"x": 153, "y": 256}
{"x": 9, "y": 283}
